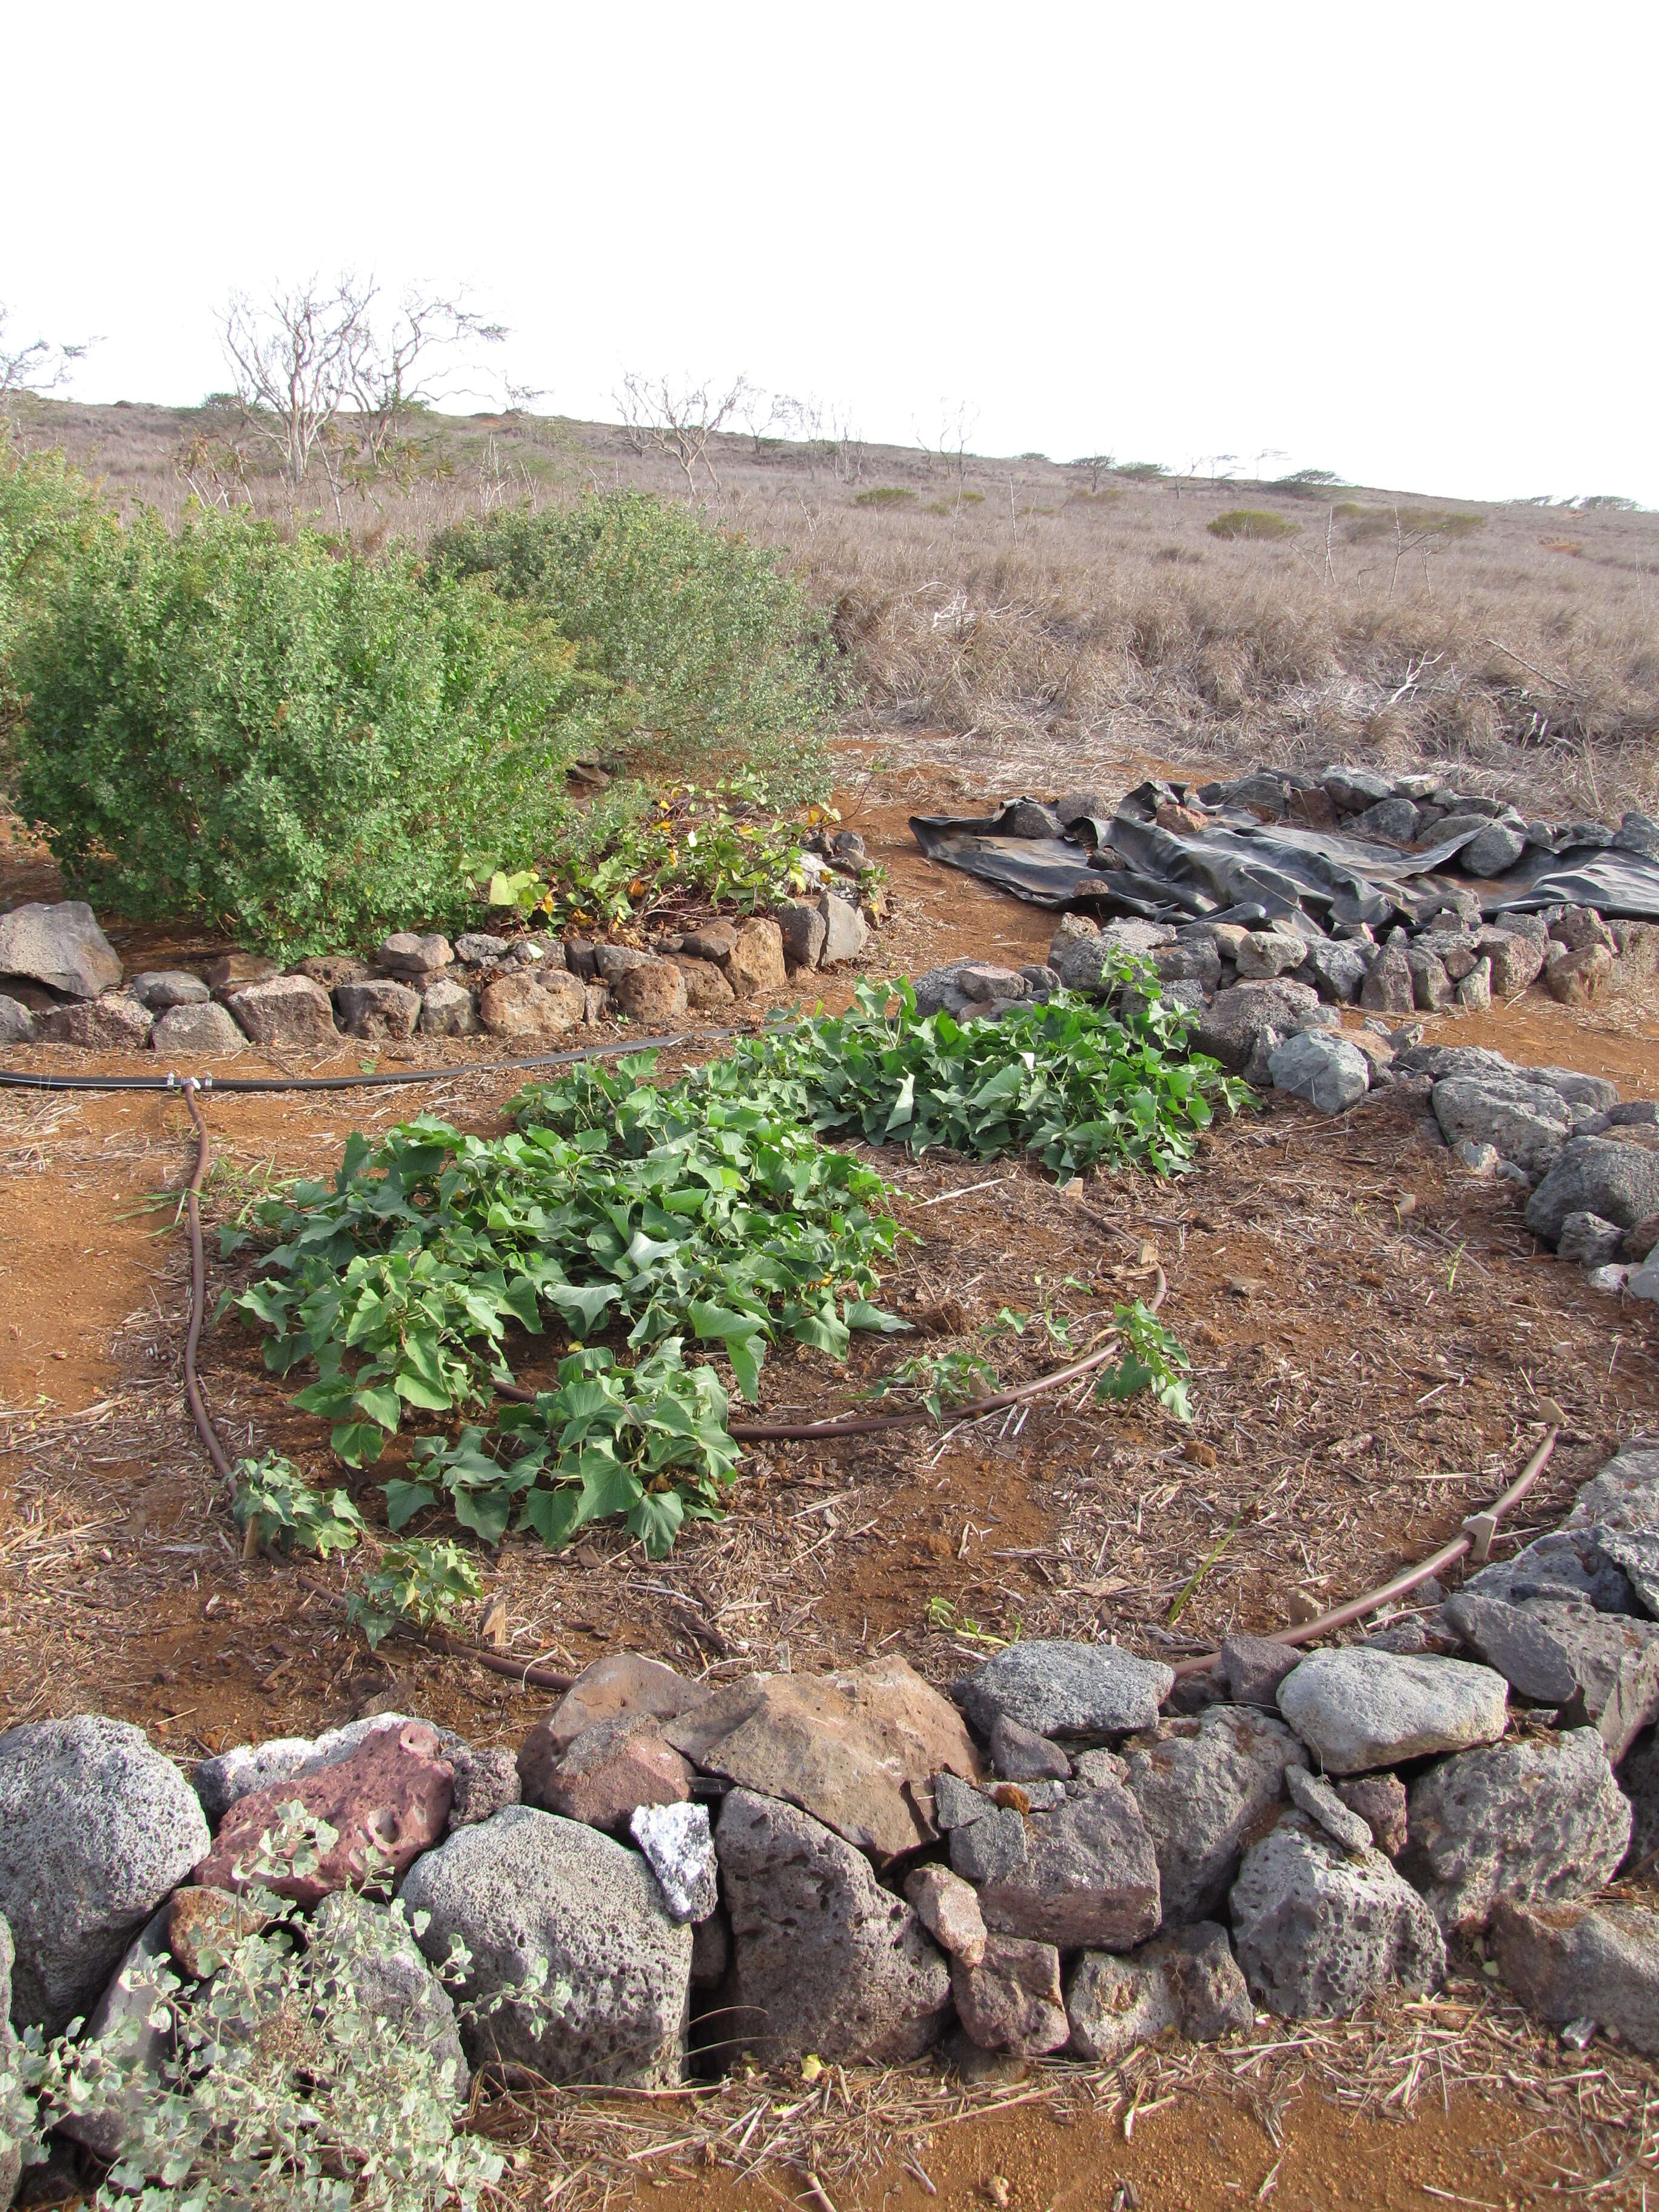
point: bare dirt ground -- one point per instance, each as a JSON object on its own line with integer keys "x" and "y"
{"x": 1371, "y": 1333}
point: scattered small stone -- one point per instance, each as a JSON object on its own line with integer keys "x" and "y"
{"x": 677, "y": 1840}
{"x": 948, "y": 1908}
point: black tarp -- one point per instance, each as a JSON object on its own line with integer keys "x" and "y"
{"x": 1237, "y": 868}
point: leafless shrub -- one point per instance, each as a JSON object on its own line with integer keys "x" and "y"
{"x": 681, "y": 421}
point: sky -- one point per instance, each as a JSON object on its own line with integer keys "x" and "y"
{"x": 1410, "y": 244}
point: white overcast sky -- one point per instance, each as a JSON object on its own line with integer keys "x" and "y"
{"x": 1410, "y": 243}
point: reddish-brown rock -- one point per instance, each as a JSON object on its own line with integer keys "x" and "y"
{"x": 621, "y": 1684}
{"x": 391, "y": 1796}
{"x": 532, "y": 1005}
{"x": 1380, "y": 1801}
{"x": 204, "y": 1927}
{"x": 705, "y": 983}
{"x": 948, "y": 1908}
{"x": 655, "y": 991}
{"x": 229, "y": 971}
{"x": 755, "y": 964}
{"x": 610, "y": 1770}
{"x": 857, "y": 1750}
{"x": 1578, "y": 978}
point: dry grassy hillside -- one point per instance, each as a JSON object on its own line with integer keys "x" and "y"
{"x": 1052, "y": 615}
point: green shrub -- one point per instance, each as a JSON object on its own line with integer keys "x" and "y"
{"x": 1252, "y": 522}
{"x": 883, "y": 496}
{"x": 46, "y": 511}
{"x": 1414, "y": 522}
{"x": 303, "y": 746}
{"x": 708, "y": 654}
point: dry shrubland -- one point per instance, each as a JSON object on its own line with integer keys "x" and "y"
{"x": 1052, "y": 616}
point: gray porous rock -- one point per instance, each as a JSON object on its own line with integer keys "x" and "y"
{"x": 1263, "y": 954}
{"x": 846, "y": 931}
{"x": 1188, "y": 1980}
{"x": 59, "y": 946}
{"x": 1524, "y": 1122}
{"x": 1635, "y": 1552}
{"x": 447, "y": 1009}
{"x": 1020, "y": 1754}
{"x": 1615, "y": 1657}
{"x": 1058, "y": 1689}
{"x": 1202, "y": 1783}
{"x": 679, "y": 1846}
{"x": 406, "y": 953}
{"x": 1339, "y": 968}
{"x": 1623, "y": 1494}
{"x": 373, "y": 1952}
{"x": 1009, "y": 1999}
{"x": 1431, "y": 987}
{"x": 1534, "y": 1663}
{"x": 115, "y": 1022}
{"x": 1575, "y": 1962}
{"x": 1244, "y": 1024}
{"x": 1252, "y": 1668}
{"x": 1495, "y": 849}
{"x": 1587, "y": 1240}
{"x": 1087, "y": 1874}
{"x": 1387, "y": 987}
{"x": 1638, "y": 1777}
{"x": 379, "y": 1009}
{"x": 1312, "y": 1795}
{"x": 1516, "y": 960}
{"x": 1539, "y": 1820}
{"x": 1358, "y": 1709}
{"x": 1355, "y": 788}
{"x": 205, "y": 1029}
{"x": 526, "y": 1890}
{"x": 1319, "y": 1930}
{"x": 1567, "y": 1562}
{"x": 958, "y": 1804}
{"x": 285, "y": 1010}
{"x": 485, "y": 1780}
{"x": 477, "y": 949}
{"x": 1327, "y": 1070}
{"x": 162, "y": 988}
{"x": 1394, "y": 818}
{"x": 1380, "y": 1801}
{"x": 96, "y": 1829}
{"x": 996, "y": 1848}
{"x": 1197, "y": 961}
{"x": 823, "y": 1959}
{"x": 1475, "y": 989}
{"x": 16, "y": 1022}
{"x": 1596, "y": 1174}
{"x": 804, "y": 931}
{"x": 948, "y": 1908}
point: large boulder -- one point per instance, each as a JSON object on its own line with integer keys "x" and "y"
{"x": 285, "y": 1009}
{"x": 220, "y": 1781}
{"x": 1570, "y": 1962}
{"x": 1567, "y": 1564}
{"x": 378, "y": 1009}
{"x": 1523, "y": 1120}
{"x": 1240, "y": 1027}
{"x": 1615, "y": 1661}
{"x": 1089, "y": 1691}
{"x": 1188, "y": 1980}
{"x": 96, "y": 1830}
{"x": 857, "y": 1750}
{"x": 1539, "y": 1820}
{"x": 578, "y": 1968}
{"x": 756, "y": 964}
{"x": 620, "y": 1684}
{"x": 653, "y": 992}
{"x": 1534, "y": 1663}
{"x": 1319, "y": 1930}
{"x": 1596, "y": 1174}
{"x": 1356, "y": 1708}
{"x": 1202, "y": 1784}
{"x": 203, "y": 1028}
{"x": 60, "y": 946}
{"x": 1084, "y": 1873}
{"x": 115, "y": 1022}
{"x": 387, "y": 1801}
{"x": 823, "y": 1959}
{"x": 1327, "y": 1070}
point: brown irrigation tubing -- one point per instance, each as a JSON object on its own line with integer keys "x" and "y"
{"x": 1356, "y": 1609}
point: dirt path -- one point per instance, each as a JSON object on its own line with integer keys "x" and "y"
{"x": 1372, "y": 1336}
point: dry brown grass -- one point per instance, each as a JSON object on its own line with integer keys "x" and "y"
{"x": 1064, "y": 617}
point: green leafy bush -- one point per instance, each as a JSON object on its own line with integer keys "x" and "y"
{"x": 883, "y": 496}
{"x": 415, "y": 1584}
{"x": 1257, "y": 522}
{"x": 299, "y": 745}
{"x": 47, "y": 512}
{"x": 710, "y": 655}
{"x": 286, "y": 1513}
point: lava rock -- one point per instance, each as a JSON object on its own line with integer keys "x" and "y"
{"x": 610, "y": 1770}
{"x": 124, "y": 2014}
{"x": 1202, "y": 1784}
{"x": 1020, "y": 1754}
{"x": 1587, "y": 1240}
{"x": 96, "y": 1829}
{"x": 1319, "y": 1931}
{"x": 476, "y": 949}
{"x": 389, "y": 1796}
{"x": 373, "y": 1952}
{"x": 1086, "y": 1690}
{"x": 221, "y": 1782}
{"x": 529, "y": 1005}
{"x": 1009, "y": 2000}
{"x": 17, "y": 1027}
{"x": 205, "y": 1925}
{"x": 1380, "y": 1802}
{"x": 200, "y": 1028}
{"x": 1388, "y": 987}
{"x": 1356, "y": 788}
{"x": 1495, "y": 848}
{"x": 1359, "y": 1708}
{"x": 527, "y": 1892}
{"x": 1252, "y": 1668}
{"x": 1312, "y": 1795}
{"x": 113, "y": 1024}
{"x": 485, "y": 1780}
{"x": 1638, "y": 1777}
{"x": 1539, "y": 1820}
{"x": 1567, "y": 1564}
{"x": 652, "y": 991}
{"x": 756, "y": 962}
{"x": 1616, "y": 1660}
{"x": 1533, "y": 1663}
{"x": 447, "y": 1009}
{"x": 1394, "y": 819}
{"x": 1264, "y": 954}
{"x": 823, "y": 1959}
{"x": 378, "y": 1010}
{"x": 948, "y": 1908}
{"x": 1243, "y": 1025}
{"x": 1570, "y": 1962}
{"x": 621, "y": 1683}
{"x": 1089, "y": 1875}
{"x": 162, "y": 988}
{"x": 1618, "y": 1183}
{"x": 60, "y": 946}
{"x": 1577, "y": 979}
{"x": 407, "y": 954}
{"x": 1339, "y": 968}
{"x": 1623, "y": 1494}
{"x": 856, "y": 1750}
{"x": 958, "y": 1804}
{"x": 1188, "y": 1980}
{"x": 1327, "y": 1070}
{"x": 705, "y": 986}
{"x": 285, "y": 1009}
{"x": 804, "y": 930}
{"x": 1516, "y": 961}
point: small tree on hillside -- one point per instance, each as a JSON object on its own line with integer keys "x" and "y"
{"x": 679, "y": 421}
{"x": 38, "y": 367}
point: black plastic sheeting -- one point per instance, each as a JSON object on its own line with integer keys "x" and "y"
{"x": 1239, "y": 868}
